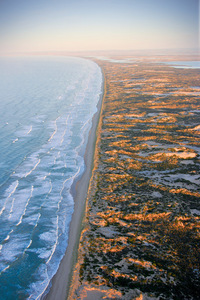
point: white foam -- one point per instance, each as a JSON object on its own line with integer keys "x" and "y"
{"x": 16, "y": 140}
{"x": 35, "y": 166}
{"x": 47, "y": 236}
{"x": 11, "y": 210}
{"x": 56, "y": 242}
{"x": 43, "y": 253}
{"x": 11, "y": 190}
{"x": 4, "y": 269}
{"x": 29, "y": 131}
{"x": 32, "y": 219}
{"x": 30, "y": 243}
{"x": 14, "y": 247}
{"x": 22, "y": 198}
{"x": 28, "y": 165}
{"x": 55, "y": 131}
{"x": 24, "y": 131}
{"x": 24, "y": 212}
{"x": 64, "y": 133}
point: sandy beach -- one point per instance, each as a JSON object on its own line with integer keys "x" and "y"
{"x": 61, "y": 280}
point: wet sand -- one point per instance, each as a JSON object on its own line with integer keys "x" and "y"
{"x": 61, "y": 280}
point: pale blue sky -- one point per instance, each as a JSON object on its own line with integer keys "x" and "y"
{"x": 63, "y": 25}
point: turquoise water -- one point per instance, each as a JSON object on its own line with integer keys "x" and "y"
{"x": 46, "y": 109}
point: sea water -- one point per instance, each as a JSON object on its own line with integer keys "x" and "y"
{"x": 46, "y": 110}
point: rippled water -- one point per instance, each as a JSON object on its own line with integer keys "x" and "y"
{"x": 46, "y": 108}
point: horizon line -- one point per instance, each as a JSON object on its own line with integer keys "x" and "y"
{"x": 114, "y": 51}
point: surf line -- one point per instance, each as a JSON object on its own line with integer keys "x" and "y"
{"x": 11, "y": 193}
{"x": 56, "y": 128}
{"x": 39, "y": 160}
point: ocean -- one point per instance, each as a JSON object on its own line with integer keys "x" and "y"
{"x": 46, "y": 110}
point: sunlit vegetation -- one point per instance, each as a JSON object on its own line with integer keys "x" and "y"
{"x": 143, "y": 226}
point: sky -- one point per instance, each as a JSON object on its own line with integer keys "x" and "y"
{"x": 84, "y": 25}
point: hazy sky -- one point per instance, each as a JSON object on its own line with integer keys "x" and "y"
{"x": 48, "y": 25}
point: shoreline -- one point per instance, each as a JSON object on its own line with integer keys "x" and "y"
{"x": 61, "y": 281}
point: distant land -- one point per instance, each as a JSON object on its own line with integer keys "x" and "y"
{"x": 141, "y": 231}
